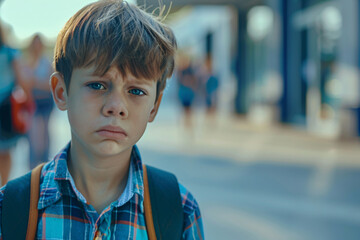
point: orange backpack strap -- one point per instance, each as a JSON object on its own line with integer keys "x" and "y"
{"x": 147, "y": 206}
{"x": 19, "y": 207}
{"x": 34, "y": 199}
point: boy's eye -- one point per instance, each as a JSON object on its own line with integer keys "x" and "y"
{"x": 96, "y": 86}
{"x": 137, "y": 92}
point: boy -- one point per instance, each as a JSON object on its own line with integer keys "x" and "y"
{"x": 111, "y": 61}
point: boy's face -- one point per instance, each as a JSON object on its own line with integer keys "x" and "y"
{"x": 107, "y": 114}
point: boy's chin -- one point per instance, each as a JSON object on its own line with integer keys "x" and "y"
{"x": 110, "y": 148}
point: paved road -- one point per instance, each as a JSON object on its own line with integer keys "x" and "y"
{"x": 267, "y": 201}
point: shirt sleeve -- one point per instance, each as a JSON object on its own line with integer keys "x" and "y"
{"x": 193, "y": 227}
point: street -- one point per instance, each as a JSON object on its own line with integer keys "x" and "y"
{"x": 263, "y": 200}
{"x": 261, "y": 183}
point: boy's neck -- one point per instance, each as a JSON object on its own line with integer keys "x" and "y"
{"x": 100, "y": 180}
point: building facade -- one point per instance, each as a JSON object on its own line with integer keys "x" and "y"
{"x": 294, "y": 62}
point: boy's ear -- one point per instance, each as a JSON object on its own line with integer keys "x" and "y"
{"x": 156, "y": 108}
{"x": 58, "y": 89}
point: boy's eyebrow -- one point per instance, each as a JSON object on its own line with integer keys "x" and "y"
{"x": 141, "y": 81}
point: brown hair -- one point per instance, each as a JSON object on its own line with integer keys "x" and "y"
{"x": 110, "y": 33}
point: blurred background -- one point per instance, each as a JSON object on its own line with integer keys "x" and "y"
{"x": 261, "y": 119}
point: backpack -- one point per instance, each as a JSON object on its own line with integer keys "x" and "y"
{"x": 162, "y": 204}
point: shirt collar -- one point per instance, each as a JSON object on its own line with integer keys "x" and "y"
{"x": 56, "y": 180}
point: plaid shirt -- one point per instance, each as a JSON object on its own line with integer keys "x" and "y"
{"x": 65, "y": 214}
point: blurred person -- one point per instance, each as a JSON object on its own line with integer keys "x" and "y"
{"x": 10, "y": 75}
{"x": 187, "y": 86}
{"x": 111, "y": 86}
{"x": 211, "y": 83}
{"x": 37, "y": 69}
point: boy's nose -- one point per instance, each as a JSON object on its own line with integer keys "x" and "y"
{"x": 115, "y": 106}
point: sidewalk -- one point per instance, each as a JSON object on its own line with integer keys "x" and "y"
{"x": 236, "y": 139}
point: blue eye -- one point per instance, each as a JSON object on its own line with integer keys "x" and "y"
{"x": 137, "y": 92}
{"x": 96, "y": 86}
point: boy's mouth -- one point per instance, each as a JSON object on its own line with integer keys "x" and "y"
{"x": 113, "y": 132}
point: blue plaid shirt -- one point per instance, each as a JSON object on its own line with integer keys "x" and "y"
{"x": 65, "y": 214}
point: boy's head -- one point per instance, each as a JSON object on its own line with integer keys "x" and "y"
{"x": 113, "y": 33}
{"x": 112, "y": 61}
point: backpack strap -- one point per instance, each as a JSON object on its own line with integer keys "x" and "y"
{"x": 147, "y": 206}
{"x": 162, "y": 203}
{"x": 34, "y": 200}
{"x": 19, "y": 209}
